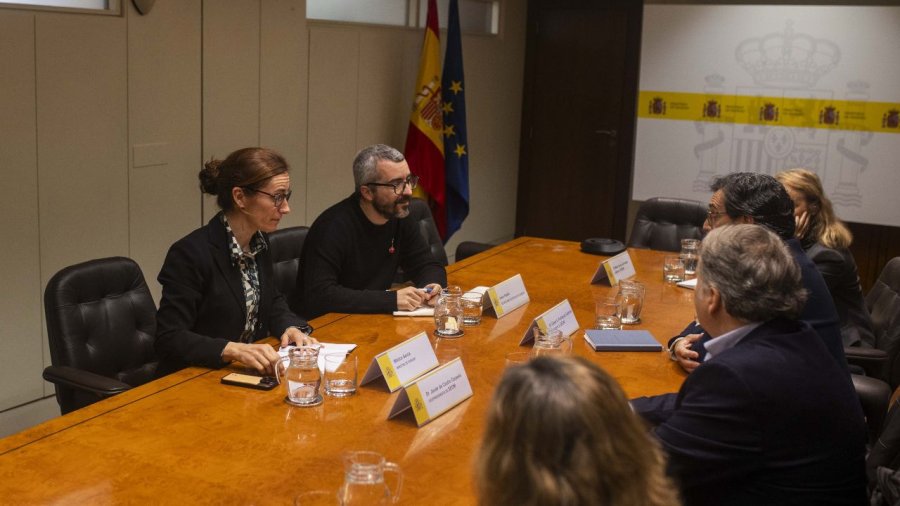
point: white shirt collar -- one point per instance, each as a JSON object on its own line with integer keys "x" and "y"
{"x": 728, "y": 340}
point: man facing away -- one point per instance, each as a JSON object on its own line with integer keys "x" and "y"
{"x": 768, "y": 417}
{"x": 354, "y": 248}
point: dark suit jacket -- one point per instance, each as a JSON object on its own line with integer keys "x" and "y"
{"x": 202, "y": 306}
{"x": 770, "y": 421}
{"x": 839, "y": 271}
{"x": 819, "y": 310}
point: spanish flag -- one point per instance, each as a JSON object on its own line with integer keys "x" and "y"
{"x": 424, "y": 139}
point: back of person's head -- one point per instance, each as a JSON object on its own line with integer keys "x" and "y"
{"x": 365, "y": 165}
{"x": 759, "y": 196}
{"x": 560, "y": 431}
{"x": 245, "y": 168}
{"x": 755, "y": 274}
{"x": 825, "y": 227}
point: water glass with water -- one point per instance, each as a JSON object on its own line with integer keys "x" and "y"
{"x": 606, "y": 314}
{"x": 631, "y": 301}
{"x": 673, "y": 269}
{"x": 690, "y": 253}
{"x": 340, "y": 374}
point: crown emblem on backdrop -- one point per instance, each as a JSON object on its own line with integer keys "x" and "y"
{"x": 787, "y": 59}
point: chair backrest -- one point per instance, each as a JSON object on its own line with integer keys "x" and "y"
{"x": 421, "y": 213}
{"x": 101, "y": 318}
{"x": 285, "y": 246}
{"x": 467, "y": 249}
{"x": 661, "y": 223}
{"x": 883, "y": 302}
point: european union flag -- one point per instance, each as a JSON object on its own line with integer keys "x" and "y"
{"x": 456, "y": 147}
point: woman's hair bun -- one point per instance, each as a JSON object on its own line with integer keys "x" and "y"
{"x": 209, "y": 177}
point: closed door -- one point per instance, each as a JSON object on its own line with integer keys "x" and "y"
{"x": 578, "y": 118}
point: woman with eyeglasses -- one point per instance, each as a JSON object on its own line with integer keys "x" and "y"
{"x": 826, "y": 241}
{"x": 219, "y": 296}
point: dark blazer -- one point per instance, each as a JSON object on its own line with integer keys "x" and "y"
{"x": 770, "y": 421}
{"x": 202, "y": 306}
{"x": 819, "y": 310}
{"x": 839, "y": 271}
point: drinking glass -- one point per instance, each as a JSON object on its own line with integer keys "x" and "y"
{"x": 606, "y": 312}
{"x": 517, "y": 358}
{"x": 552, "y": 342}
{"x": 471, "y": 306}
{"x": 673, "y": 269}
{"x": 690, "y": 252}
{"x": 340, "y": 374}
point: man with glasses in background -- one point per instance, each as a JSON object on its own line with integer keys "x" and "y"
{"x": 746, "y": 197}
{"x": 354, "y": 248}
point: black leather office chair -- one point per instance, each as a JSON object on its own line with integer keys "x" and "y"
{"x": 101, "y": 323}
{"x": 874, "y": 395}
{"x": 421, "y": 214}
{"x": 883, "y": 302}
{"x": 466, "y": 249}
{"x": 661, "y": 223}
{"x": 885, "y": 452}
{"x": 285, "y": 246}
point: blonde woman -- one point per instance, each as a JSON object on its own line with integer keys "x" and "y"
{"x": 560, "y": 432}
{"x": 826, "y": 241}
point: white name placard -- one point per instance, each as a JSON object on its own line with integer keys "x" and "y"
{"x": 402, "y": 363}
{"x": 614, "y": 269}
{"x": 559, "y": 317}
{"x": 434, "y": 393}
{"x": 507, "y": 296}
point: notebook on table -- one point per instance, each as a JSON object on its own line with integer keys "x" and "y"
{"x": 621, "y": 340}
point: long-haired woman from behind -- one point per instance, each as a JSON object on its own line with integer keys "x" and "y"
{"x": 219, "y": 296}
{"x": 826, "y": 241}
{"x": 561, "y": 432}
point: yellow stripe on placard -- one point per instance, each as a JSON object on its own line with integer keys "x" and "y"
{"x": 387, "y": 370}
{"x": 542, "y": 325}
{"x": 417, "y": 403}
{"x": 495, "y": 301}
{"x": 796, "y": 112}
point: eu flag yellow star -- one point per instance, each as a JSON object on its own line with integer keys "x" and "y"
{"x": 460, "y": 150}
{"x": 448, "y": 131}
{"x": 456, "y": 87}
{"x": 448, "y": 108}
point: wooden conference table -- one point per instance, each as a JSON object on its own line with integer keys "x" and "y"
{"x": 188, "y": 439}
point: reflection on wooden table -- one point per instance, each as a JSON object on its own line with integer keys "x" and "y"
{"x": 186, "y": 438}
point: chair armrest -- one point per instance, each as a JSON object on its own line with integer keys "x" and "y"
{"x": 874, "y": 395}
{"x": 872, "y": 360}
{"x": 84, "y": 380}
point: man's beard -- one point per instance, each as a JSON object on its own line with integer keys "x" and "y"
{"x": 393, "y": 209}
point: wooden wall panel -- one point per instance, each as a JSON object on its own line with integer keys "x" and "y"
{"x": 333, "y": 110}
{"x": 873, "y": 246}
{"x": 21, "y": 341}
{"x": 384, "y": 105}
{"x": 164, "y": 130}
{"x": 284, "y": 73}
{"x": 82, "y": 172}
{"x": 231, "y": 67}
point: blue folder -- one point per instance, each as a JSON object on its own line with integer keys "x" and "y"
{"x": 621, "y": 340}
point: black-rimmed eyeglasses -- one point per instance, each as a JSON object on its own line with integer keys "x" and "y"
{"x": 412, "y": 181}
{"x": 278, "y": 198}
